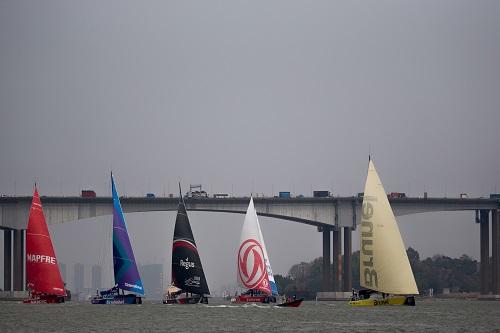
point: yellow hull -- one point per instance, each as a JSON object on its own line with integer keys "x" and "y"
{"x": 393, "y": 300}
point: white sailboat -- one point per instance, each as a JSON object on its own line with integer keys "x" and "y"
{"x": 385, "y": 270}
{"x": 252, "y": 264}
{"x": 254, "y": 268}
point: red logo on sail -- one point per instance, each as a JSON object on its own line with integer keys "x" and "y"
{"x": 251, "y": 266}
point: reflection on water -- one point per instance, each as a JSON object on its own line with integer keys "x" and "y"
{"x": 428, "y": 315}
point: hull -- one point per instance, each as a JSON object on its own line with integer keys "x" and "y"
{"x": 45, "y": 299}
{"x": 195, "y": 299}
{"x": 292, "y": 304}
{"x": 392, "y": 300}
{"x": 254, "y": 299}
{"x": 119, "y": 299}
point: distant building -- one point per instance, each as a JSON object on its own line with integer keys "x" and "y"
{"x": 152, "y": 279}
{"x": 96, "y": 277}
{"x": 62, "y": 268}
{"x": 78, "y": 278}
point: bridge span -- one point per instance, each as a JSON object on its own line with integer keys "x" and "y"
{"x": 335, "y": 217}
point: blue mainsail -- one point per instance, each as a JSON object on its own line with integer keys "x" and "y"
{"x": 126, "y": 273}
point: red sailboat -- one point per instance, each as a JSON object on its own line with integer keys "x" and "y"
{"x": 42, "y": 271}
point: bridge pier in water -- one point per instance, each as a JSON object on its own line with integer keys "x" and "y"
{"x": 14, "y": 265}
{"x": 341, "y": 279}
{"x": 7, "y": 259}
{"x": 337, "y": 259}
{"x": 19, "y": 266}
{"x": 326, "y": 285}
{"x": 489, "y": 269}
{"x": 347, "y": 273}
{"x": 495, "y": 255}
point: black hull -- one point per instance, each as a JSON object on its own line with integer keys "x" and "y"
{"x": 292, "y": 304}
{"x": 194, "y": 299}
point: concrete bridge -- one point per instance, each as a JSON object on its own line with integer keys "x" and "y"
{"x": 334, "y": 217}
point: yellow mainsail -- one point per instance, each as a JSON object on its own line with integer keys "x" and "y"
{"x": 384, "y": 265}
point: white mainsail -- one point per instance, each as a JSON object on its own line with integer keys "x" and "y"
{"x": 384, "y": 264}
{"x": 252, "y": 270}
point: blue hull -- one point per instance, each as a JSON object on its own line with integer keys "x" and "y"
{"x": 120, "y": 299}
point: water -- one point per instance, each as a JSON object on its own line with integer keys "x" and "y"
{"x": 427, "y": 316}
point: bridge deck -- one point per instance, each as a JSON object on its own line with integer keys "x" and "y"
{"x": 332, "y": 211}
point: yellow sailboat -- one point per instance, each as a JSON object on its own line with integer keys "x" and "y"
{"x": 384, "y": 267}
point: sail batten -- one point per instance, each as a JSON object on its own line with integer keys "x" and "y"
{"x": 384, "y": 264}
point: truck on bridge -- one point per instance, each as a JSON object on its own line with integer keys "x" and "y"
{"x": 396, "y": 195}
{"x": 88, "y": 194}
{"x": 321, "y": 194}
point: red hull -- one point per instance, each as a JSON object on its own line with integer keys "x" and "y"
{"x": 252, "y": 299}
{"x": 44, "y": 299}
{"x": 292, "y": 304}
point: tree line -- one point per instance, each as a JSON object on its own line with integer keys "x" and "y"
{"x": 439, "y": 272}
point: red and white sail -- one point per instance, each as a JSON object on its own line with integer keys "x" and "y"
{"x": 42, "y": 271}
{"x": 252, "y": 271}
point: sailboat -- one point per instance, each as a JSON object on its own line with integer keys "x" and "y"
{"x": 254, "y": 268}
{"x": 189, "y": 285}
{"x": 385, "y": 270}
{"x": 124, "y": 266}
{"x": 42, "y": 271}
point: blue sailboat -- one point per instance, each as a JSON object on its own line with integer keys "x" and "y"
{"x": 127, "y": 276}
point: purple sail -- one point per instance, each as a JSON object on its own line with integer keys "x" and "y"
{"x": 125, "y": 268}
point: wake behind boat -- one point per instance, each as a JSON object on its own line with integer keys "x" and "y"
{"x": 42, "y": 271}
{"x": 189, "y": 285}
{"x": 124, "y": 266}
{"x": 385, "y": 270}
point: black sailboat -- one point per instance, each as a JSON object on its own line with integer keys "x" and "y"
{"x": 189, "y": 285}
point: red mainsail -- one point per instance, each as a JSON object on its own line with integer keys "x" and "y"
{"x": 42, "y": 271}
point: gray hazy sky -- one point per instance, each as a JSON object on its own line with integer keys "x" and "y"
{"x": 251, "y": 96}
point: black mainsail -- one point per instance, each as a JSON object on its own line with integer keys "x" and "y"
{"x": 187, "y": 271}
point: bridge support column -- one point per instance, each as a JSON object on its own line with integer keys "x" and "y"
{"x": 19, "y": 260}
{"x": 495, "y": 255}
{"x": 327, "y": 278}
{"x": 7, "y": 260}
{"x": 347, "y": 276}
{"x": 337, "y": 259}
{"x": 485, "y": 250}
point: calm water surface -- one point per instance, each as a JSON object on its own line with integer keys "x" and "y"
{"x": 427, "y": 316}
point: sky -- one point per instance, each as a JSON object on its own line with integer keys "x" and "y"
{"x": 250, "y": 97}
